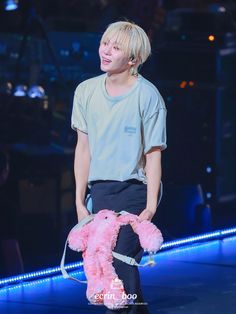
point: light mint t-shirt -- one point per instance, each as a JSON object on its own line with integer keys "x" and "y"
{"x": 122, "y": 129}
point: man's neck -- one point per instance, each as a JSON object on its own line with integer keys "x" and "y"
{"x": 120, "y": 79}
{"x": 118, "y": 84}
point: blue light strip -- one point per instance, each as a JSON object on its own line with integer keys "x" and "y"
{"x": 206, "y": 236}
{"x": 51, "y": 271}
{"x": 38, "y": 274}
{"x": 228, "y": 231}
{"x": 36, "y": 282}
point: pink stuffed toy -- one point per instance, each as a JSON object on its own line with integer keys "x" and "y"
{"x": 96, "y": 240}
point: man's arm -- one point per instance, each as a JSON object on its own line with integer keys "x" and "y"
{"x": 81, "y": 170}
{"x": 153, "y": 174}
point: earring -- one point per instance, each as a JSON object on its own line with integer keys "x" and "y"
{"x": 133, "y": 71}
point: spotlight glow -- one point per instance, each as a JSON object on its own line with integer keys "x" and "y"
{"x": 11, "y": 5}
{"x": 208, "y": 195}
{"x": 183, "y": 84}
{"x": 20, "y": 91}
{"x": 208, "y": 169}
{"x": 211, "y": 38}
{"x": 36, "y": 91}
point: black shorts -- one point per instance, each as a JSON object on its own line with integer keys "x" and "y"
{"x": 130, "y": 195}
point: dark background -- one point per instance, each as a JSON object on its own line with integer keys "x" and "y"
{"x": 53, "y": 44}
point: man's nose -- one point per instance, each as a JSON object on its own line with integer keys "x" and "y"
{"x": 107, "y": 49}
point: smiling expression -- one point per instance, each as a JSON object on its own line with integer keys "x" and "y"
{"x": 113, "y": 59}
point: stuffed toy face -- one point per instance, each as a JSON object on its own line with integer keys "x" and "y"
{"x": 97, "y": 240}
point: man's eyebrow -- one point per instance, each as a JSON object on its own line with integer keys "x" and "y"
{"x": 119, "y": 43}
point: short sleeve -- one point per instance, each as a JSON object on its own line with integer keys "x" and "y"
{"x": 78, "y": 117}
{"x": 154, "y": 128}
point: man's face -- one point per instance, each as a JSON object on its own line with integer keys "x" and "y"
{"x": 113, "y": 59}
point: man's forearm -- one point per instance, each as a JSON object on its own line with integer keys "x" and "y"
{"x": 153, "y": 173}
{"x": 81, "y": 170}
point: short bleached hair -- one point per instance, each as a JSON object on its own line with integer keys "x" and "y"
{"x": 131, "y": 38}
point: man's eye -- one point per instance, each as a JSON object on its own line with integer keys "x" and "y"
{"x": 116, "y": 48}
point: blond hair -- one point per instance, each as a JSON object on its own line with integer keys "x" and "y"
{"x": 131, "y": 38}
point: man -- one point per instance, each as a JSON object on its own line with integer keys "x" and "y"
{"x": 120, "y": 120}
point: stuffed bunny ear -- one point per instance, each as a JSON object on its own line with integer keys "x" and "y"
{"x": 150, "y": 236}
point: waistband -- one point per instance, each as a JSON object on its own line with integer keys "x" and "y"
{"x": 132, "y": 181}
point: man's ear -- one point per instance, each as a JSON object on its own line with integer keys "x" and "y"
{"x": 132, "y": 60}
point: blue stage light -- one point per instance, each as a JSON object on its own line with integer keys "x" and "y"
{"x": 11, "y": 5}
{"x": 36, "y": 91}
{"x": 20, "y": 91}
{"x": 208, "y": 195}
{"x": 218, "y": 234}
{"x": 216, "y": 8}
{"x": 208, "y": 169}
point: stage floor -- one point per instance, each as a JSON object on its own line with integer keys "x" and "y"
{"x": 198, "y": 279}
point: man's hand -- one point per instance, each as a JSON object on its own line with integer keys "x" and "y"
{"x": 82, "y": 212}
{"x": 146, "y": 214}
